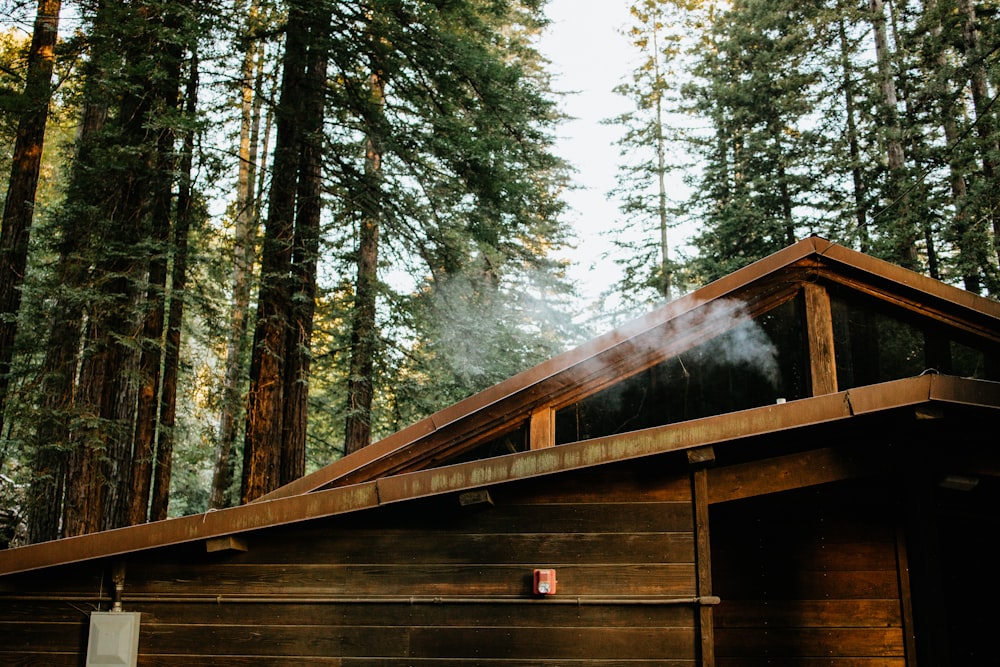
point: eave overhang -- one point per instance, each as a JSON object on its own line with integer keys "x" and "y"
{"x": 733, "y": 428}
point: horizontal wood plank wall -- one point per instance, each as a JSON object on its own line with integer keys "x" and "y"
{"x": 45, "y": 616}
{"x": 807, "y": 577}
{"x": 429, "y": 582}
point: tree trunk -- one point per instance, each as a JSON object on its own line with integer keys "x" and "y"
{"x": 20, "y": 203}
{"x": 50, "y": 448}
{"x": 265, "y": 405}
{"x": 850, "y": 111}
{"x": 902, "y": 233}
{"x": 307, "y": 233}
{"x": 167, "y": 92}
{"x": 246, "y": 225}
{"x": 63, "y": 405}
{"x": 970, "y": 251}
{"x": 666, "y": 286}
{"x": 178, "y": 283}
{"x": 151, "y": 41}
{"x": 364, "y": 330}
{"x": 59, "y": 485}
{"x": 989, "y": 146}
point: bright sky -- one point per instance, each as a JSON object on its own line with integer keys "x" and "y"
{"x": 589, "y": 58}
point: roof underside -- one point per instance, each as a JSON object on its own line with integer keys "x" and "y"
{"x": 927, "y": 391}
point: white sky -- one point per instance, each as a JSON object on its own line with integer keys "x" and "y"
{"x": 589, "y": 57}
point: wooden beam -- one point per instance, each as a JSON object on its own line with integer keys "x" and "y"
{"x": 226, "y": 543}
{"x": 701, "y": 456}
{"x": 819, "y": 327}
{"x": 782, "y": 473}
{"x": 542, "y": 429}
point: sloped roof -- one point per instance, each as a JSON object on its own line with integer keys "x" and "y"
{"x": 400, "y": 467}
{"x": 663, "y": 333}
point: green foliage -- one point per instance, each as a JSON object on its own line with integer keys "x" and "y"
{"x": 793, "y": 126}
{"x": 644, "y": 247}
{"x": 466, "y": 191}
{"x": 13, "y": 46}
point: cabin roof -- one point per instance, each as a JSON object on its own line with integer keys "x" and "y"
{"x": 661, "y": 333}
{"x": 402, "y": 467}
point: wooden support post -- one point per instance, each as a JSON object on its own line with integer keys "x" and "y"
{"x": 819, "y": 326}
{"x": 699, "y": 459}
{"x": 906, "y": 596}
{"x": 542, "y": 429}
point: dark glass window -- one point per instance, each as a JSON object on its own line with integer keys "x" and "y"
{"x": 508, "y": 443}
{"x": 875, "y": 342}
{"x": 750, "y": 365}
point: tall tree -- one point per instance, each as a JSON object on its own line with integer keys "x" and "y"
{"x": 851, "y": 121}
{"x": 364, "y": 332}
{"x": 453, "y": 116}
{"x": 19, "y": 205}
{"x": 986, "y": 126}
{"x": 901, "y": 241}
{"x": 305, "y": 257}
{"x": 757, "y": 87}
{"x": 859, "y": 187}
{"x": 658, "y": 33}
{"x": 186, "y": 214}
{"x": 266, "y": 438}
{"x": 114, "y": 224}
{"x": 165, "y": 88}
{"x": 246, "y": 219}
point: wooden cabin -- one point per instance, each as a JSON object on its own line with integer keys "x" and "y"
{"x": 795, "y": 465}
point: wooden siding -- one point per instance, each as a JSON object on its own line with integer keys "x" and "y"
{"x": 424, "y": 583}
{"x": 808, "y": 577}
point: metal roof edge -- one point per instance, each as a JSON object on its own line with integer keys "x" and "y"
{"x": 523, "y": 465}
{"x": 193, "y": 528}
{"x": 911, "y": 280}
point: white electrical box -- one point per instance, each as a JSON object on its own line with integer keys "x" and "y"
{"x": 114, "y": 639}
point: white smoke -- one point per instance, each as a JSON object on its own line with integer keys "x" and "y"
{"x": 742, "y": 342}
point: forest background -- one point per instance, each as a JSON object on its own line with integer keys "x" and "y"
{"x": 243, "y": 238}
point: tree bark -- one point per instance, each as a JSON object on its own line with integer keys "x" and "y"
{"x": 152, "y": 39}
{"x": 989, "y": 145}
{"x": 265, "y": 406}
{"x": 666, "y": 286}
{"x": 364, "y": 330}
{"x": 902, "y": 231}
{"x": 160, "y": 501}
{"x": 971, "y": 251}
{"x": 63, "y": 405}
{"x": 20, "y": 203}
{"x": 306, "y": 252}
{"x": 246, "y": 221}
{"x": 167, "y": 93}
{"x": 850, "y": 112}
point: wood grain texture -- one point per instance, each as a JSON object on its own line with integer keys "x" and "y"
{"x": 819, "y": 335}
{"x": 420, "y": 583}
{"x": 808, "y": 576}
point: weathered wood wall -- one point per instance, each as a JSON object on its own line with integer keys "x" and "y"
{"x": 808, "y": 577}
{"x": 428, "y": 582}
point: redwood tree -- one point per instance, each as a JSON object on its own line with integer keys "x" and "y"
{"x": 290, "y": 238}
{"x": 19, "y": 205}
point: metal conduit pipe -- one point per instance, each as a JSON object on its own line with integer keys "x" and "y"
{"x": 703, "y": 600}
